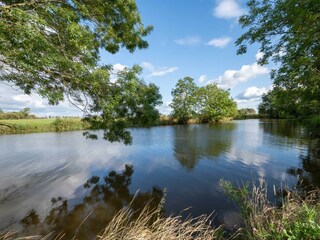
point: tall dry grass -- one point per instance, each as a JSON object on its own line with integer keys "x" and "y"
{"x": 297, "y": 216}
{"x": 151, "y": 225}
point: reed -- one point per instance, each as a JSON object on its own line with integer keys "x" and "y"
{"x": 297, "y": 216}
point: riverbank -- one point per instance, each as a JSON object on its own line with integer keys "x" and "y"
{"x": 21, "y": 126}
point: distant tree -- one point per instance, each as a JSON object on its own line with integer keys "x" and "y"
{"x": 244, "y": 112}
{"x": 288, "y": 33}
{"x": 25, "y": 112}
{"x": 184, "y": 99}
{"x": 52, "y": 47}
{"x": 215, "y": 103}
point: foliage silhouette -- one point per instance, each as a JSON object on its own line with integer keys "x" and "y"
{"x": 104, "y": 198}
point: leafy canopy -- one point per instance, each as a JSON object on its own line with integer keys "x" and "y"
{"x": 52, "y": 47}
{"x": 215, "y": 103}
{"x": 184, "y": 99}
{"x": 288, "y": 33}
{"x": 209, "y": 103}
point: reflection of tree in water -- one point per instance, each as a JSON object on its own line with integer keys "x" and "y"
{"x": 97, "y": 208}
{"x": 291, "y": 131}
{"x": 205, "y": 140}
{"x": 309, "y": 174}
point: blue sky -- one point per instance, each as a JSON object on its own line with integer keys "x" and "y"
{"x": 190, "y": 38}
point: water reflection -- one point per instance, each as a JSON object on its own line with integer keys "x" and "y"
{"x": 193, "y": 142}
{"x": 308, "y": 174}
{"x": 289, "y": 132}
{"x": 188, "y": 161}
{"x": 286, "y": 132}
{"x": 105, "y": 196}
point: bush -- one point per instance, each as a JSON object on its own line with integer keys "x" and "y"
{"x": 68, "y": 124}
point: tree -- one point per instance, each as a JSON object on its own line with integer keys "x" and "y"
{"x": 280, "y": 103}
{"x": 184, "y": 99}
{"x": 266, "y": 107}
{"x": 52, "y": 47}
{"x": 244, "y": 112}
{"x": 129, "y": 99}
{"x": 25, "y": 112}
{"x": 215, "y": 103}
{"x": 288, "y": 33}
{"x": 146, "y": 112}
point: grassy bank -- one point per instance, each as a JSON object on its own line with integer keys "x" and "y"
{"x": 41, "y": 125}
{"x": 19, "y": 126}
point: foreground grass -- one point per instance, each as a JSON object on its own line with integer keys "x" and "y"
{"x": 41, "y": 125}
{"x": 151, "y": 226}
{"x": 296, "y": 217}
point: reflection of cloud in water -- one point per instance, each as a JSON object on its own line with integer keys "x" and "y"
{"x": 52, "y": 165}
{"x": 246, "y": 157}
{"x": 249, "y": 159}
{"x": 252, "y": 135}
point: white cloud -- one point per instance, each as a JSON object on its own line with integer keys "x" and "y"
{"x": 163, "y": 71}
{"x": 251, "y": 97}
{"x": 228, "y": 9}
{"x": 165, "y": 108}
{"x": 202, "y": 78}
{"x": 219, "y": 42}
{"x": 12, "y": 100}
{"x": 118, "y": 67}
{"x": 157, "y": 71}
{"x": 28, "y": 100}
{"x": 259, "y": 55}
{"x": 148, "y": 66}
{"x": 230, "y": 78}
{"x": 190, "y": 41}
{"x": 115, "y": 69}
{"x": 253, "y": 93}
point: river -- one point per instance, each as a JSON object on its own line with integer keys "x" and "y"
{"x": 52, "y": 181}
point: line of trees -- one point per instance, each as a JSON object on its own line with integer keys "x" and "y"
{"x": 23, "y": 114}
{"x": 206, "y": 104}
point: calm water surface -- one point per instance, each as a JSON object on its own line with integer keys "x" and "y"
{"x": 52, "y": 181}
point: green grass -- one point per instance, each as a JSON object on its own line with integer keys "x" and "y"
{"x": 296, "y": 217}
{"x": 41, "y": 125}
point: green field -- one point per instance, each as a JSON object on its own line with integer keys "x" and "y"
{"x": 41, "y": 125}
